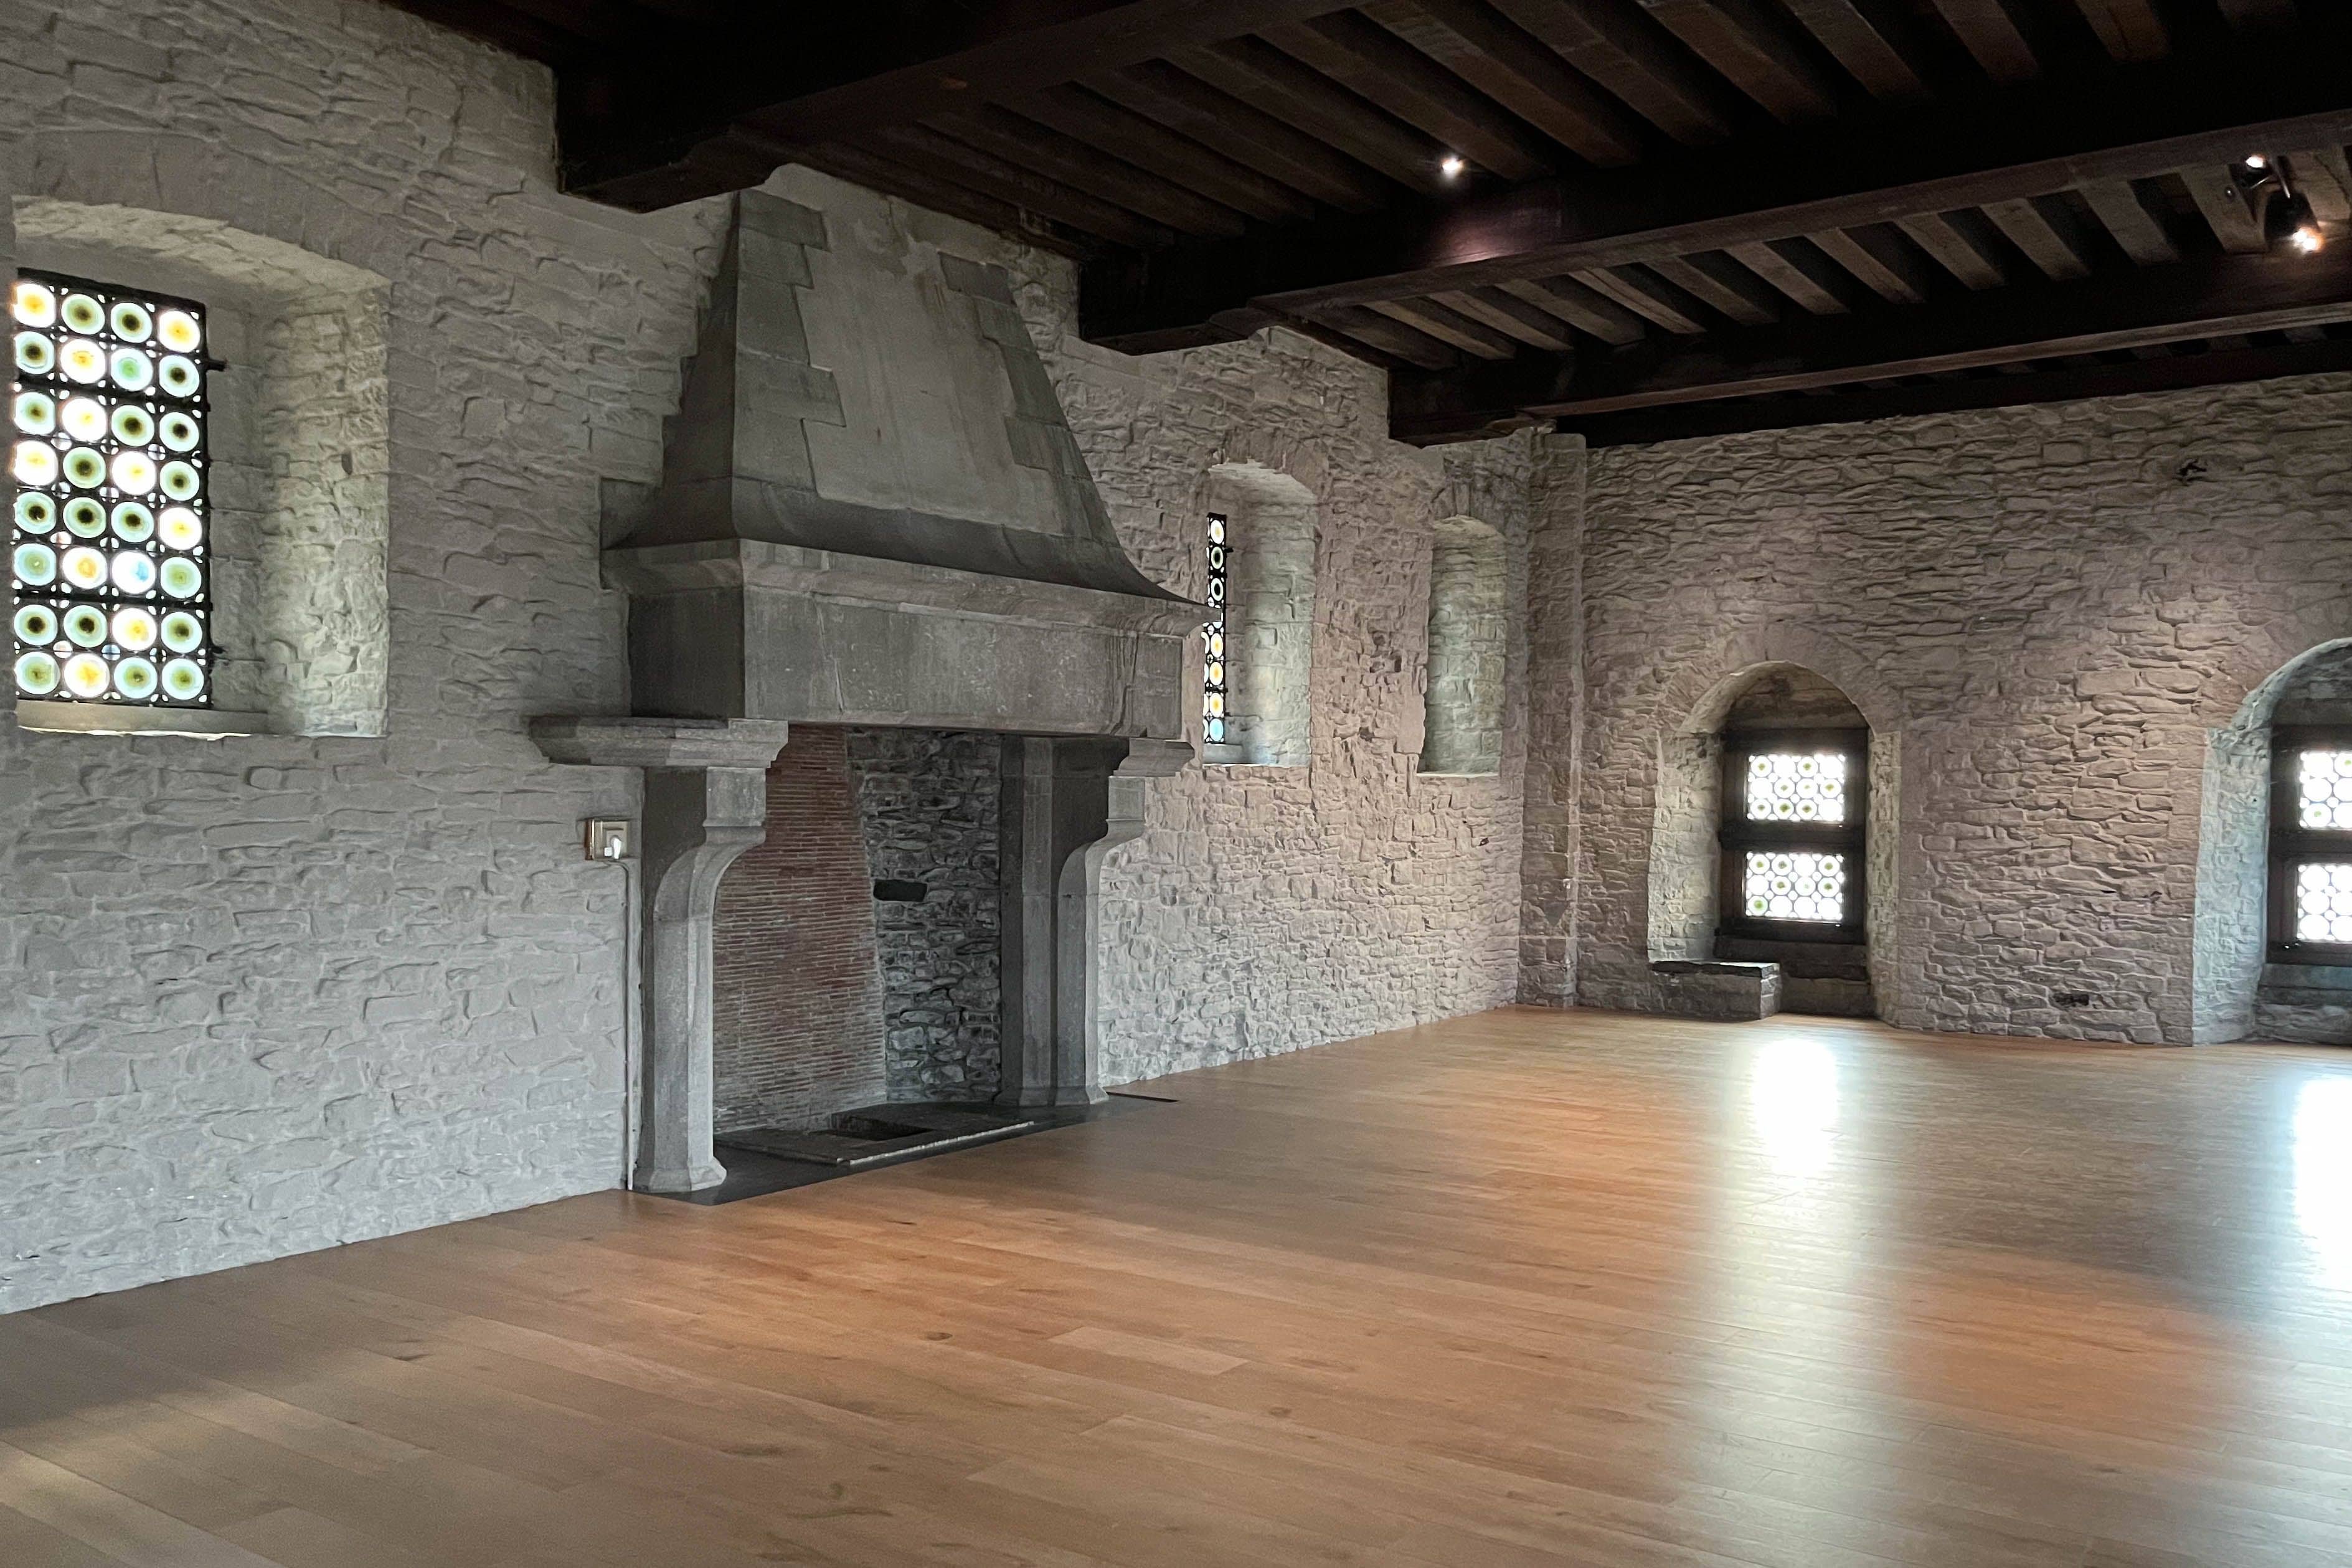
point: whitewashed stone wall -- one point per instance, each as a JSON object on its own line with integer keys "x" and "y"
{"x": 2051, "y": 610}
{"x": 1271, "y": 907}
{"x": 269, "y": 994}
{"x": 273, "y": 993}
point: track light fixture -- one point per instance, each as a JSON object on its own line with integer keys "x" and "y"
{"x": 2286, "y": 214}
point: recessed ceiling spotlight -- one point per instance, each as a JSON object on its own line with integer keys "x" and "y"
{"x": 2257, "y": 161}
{"x": 2308, "y": 238}
{"x": 1452, "y": 166}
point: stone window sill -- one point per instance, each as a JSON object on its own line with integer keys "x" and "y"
{"x": 108, "y": 719}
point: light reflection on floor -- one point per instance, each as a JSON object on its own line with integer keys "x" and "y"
{"x": 2323, "y": 1178}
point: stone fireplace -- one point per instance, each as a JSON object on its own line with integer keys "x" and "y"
{"x": 875, "y": 529}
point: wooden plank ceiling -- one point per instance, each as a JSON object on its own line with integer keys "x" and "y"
{"x": 1638, "y": 218}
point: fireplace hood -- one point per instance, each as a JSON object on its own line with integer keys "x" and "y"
{"x": 872, "y": 510}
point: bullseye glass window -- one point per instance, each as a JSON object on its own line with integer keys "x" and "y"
{"x": 1212, "y": 637}
{"x": 2311, "y": 845}
{"x": 1796, "y": 786}
{"x": 2323, "y": 903}
{"x": 2324, "y": 789}
{"x": 1795, "y": 885}
{"x": 109, "y": 570}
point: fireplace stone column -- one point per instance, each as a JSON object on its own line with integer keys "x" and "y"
{"x": 706, "y": 802}
{"x": 1067, "y": 803}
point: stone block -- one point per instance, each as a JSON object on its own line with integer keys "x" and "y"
{"x": 1697, "y": 988}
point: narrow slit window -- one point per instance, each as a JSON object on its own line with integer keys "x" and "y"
{"x": 1212, "y": 637}
{"x": 110, "y": 573}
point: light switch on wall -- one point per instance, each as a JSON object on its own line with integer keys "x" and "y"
{"x": 610, "y": 838}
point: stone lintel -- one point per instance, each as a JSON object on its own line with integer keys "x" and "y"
{"x": 656, "y": 742}
{"x": 656, "y": 570}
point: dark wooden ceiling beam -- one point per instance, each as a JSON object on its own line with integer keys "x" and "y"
{"x": 2139, "y": 122}
{"x": 944, "y": 157}
{"x": 1796, "y": 269}
{"x": 1247, "y": 135}
{"x": 1266, "y": 78}
{"x": 955, "y": 196}
{"x": 1389, "y": 336}
{"x": 1513, "y": 67}
{"x": 1647, "y": 298}
{"x": 1722, "y": 285}
{"x": 1880, "y": 259}
{"x": 1961, "y": 244}
{"x": 1580, "y": 307}
{"x": 1076, "y": 112}
{"x": 2324, "y": 179}
{"x": 1747, "y": 46}
{"x": 2221, "y": 296}
{"x": 1382, "y": 69}
{"x": 1860, "y": 44}
{"x": 1043, "y": 150}
{"x": 2127, "y": 216}
{"x": 1448, "y": 326}
{"x": 1511, "y": 316}
{"x": 2258, "y": 12}
{"x": 2046, "y": 233}
{"x": 2130, "y": 30}
{"x": 1990, "y": 32}
{"x": 801, "y": 75}
{"x": 2068, "y": 382}
{"x": 2228, "y": 213}
{"x": 1635, "y": 59}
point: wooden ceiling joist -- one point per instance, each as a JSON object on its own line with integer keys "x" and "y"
{"x": 1178, "y": 159}
{"x": 813, "y": 75}
{"x": 1988, "y": 31}
{"x": 2067, "y": 381}
{"x": 1382, "y": 69}
{"x": 2221, "y": 296}
{"x": 1216, "y": 119}
{"x": 1635, "y": 60}
{"x": 1747, "y": 46}
{"x": 1524, "y": 208}
{"x": 2045, "y": 140}
{"x": 1512, "y": 67}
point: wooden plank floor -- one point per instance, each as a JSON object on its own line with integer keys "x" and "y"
{"x": 1513, "y": 1292}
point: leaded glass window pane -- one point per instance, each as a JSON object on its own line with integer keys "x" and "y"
{"x": 2323, "y": 783}
{"x": 1796, "y": 786}
{"x": 1795, "y": 884}
{"x": 1212, "y": 637}
{"x": 2323, "y": 901}
{"x": 111, "y": 569}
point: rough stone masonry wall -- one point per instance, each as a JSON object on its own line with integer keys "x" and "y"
{"x": 2052, "y": 608}
{"x": 272, "y": 994}
{"x": 1269, "y": 908}
{"x": 927, "y": 802}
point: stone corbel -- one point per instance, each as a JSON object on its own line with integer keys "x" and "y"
{"x": 706, "y": 802}
{"x": 1067, "y": 803}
